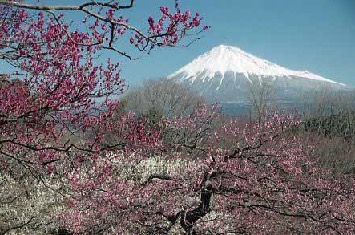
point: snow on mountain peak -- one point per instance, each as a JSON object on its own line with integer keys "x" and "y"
{"x": 222, "y": 59}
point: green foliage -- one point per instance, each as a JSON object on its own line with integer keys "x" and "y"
{"x": 336, "y": 125}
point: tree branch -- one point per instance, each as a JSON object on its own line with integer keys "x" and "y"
{"x": 66, "y": 7}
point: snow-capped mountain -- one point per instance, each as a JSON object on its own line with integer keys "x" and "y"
{"x": 225, "y": 74}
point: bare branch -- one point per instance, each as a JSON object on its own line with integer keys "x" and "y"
{"x": 66, "y": 7}
{"x": 157, "y": 176}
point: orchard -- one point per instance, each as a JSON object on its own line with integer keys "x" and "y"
{"x": 74, "y": 162}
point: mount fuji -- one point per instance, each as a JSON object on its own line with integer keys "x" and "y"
{"x": 225, "y": 73}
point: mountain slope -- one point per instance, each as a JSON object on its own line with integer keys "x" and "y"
{"x": 225, "y": 73}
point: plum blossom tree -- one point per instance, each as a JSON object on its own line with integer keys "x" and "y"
{"x": 56, "y": 98}
{"x": 256, "y": 178}
{"x": 60, "y": 82}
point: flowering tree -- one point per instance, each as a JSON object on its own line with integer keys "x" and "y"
{"x": 235, "y": 178}
{"x": 56, "y": 99}
{"x": 59, "y": 83}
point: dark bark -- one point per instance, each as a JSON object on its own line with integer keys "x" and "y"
{"x": 189, "y": 218}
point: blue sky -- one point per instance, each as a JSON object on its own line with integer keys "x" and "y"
{"x": 314, "y": 35}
